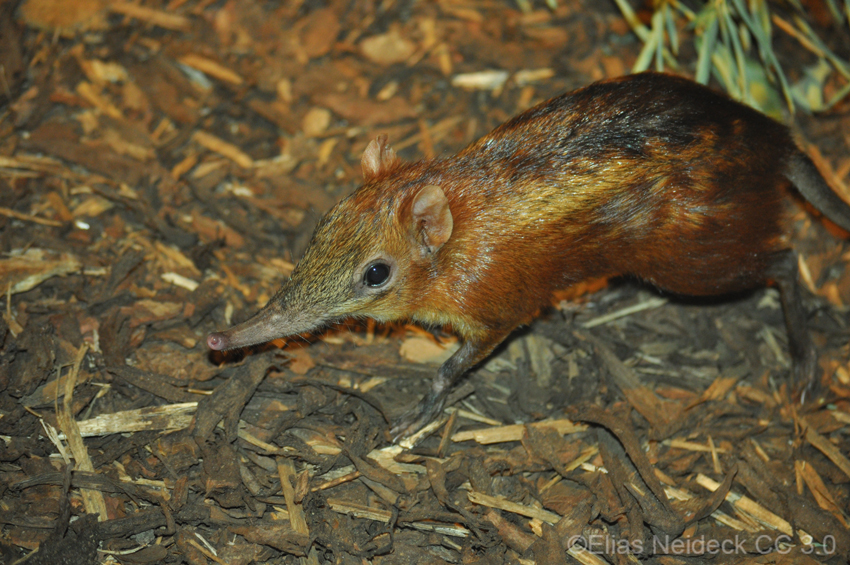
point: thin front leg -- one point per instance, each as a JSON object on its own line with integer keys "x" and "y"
{"x": 449, "y": 374}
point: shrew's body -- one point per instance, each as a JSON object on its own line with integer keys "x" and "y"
{"x": 649, "y": 175}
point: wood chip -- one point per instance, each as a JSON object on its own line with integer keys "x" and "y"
{"x": 514, "y": 432}
{"x": 425, "y": 350}
{"x": 286, "y": 473}
{"x": 513, "y": 507}
{"x": 23, "y": 272}
{"x": 644, "y": 305}
{"x": 827, "y": 448}
{"x": 149, "y": 15}
{"x": 64, "y": 14}
{"x": 211, "y": 68}
{"x": 388, "y": 48}
{"x": 167, "y": 417}
{"x": 360, "y": 510}
{"x": 28, "y": 218}
{"x": 223, "y": 148}
{"x": 482, "y": 80}
{"x": 751, "y": 508}
{"x": 92, "y": 498}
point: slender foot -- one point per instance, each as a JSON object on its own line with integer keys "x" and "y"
{"x": 470, "y": 353}
{"x": 419, "y": 416}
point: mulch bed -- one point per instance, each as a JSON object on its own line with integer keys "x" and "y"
{"x": 162, "y": 166}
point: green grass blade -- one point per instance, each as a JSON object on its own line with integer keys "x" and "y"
{"x": 687, "y": 12}
{"x": 672, "y": 33}
{"x": 708, "y": 40}
{"x": 835, "y": 11}
{"x": 652, "y": 44}
{"x": 740, "y": 55}
{"x": 659, "y": 44}
{"x": 723, "y": 66}
{"x": 631, "y": 18}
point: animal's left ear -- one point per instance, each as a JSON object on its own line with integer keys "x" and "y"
{"x": 432, "y": 218}
{"x": 378, "y": 158}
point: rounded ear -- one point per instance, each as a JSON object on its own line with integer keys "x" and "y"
{"x": 378, "y": 158}
{"x": 432, "y": 218}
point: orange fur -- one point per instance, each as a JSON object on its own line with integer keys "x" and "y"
{"x": 648, "y": 175}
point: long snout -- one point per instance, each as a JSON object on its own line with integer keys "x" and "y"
{"x": 262, "y": 327}
{"x": 276, "y": 319}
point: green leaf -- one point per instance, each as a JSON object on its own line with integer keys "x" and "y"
{"x": 808, "y": 91}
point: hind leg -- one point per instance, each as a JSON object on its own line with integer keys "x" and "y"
{"x": 804, "y": 356}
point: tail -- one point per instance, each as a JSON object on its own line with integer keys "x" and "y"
{"x": 804, "y": 175}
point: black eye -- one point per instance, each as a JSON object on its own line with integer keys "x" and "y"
{"x": 376, "y": 274}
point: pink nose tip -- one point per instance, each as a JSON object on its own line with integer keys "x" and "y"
{"x": 215, "y": 341}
